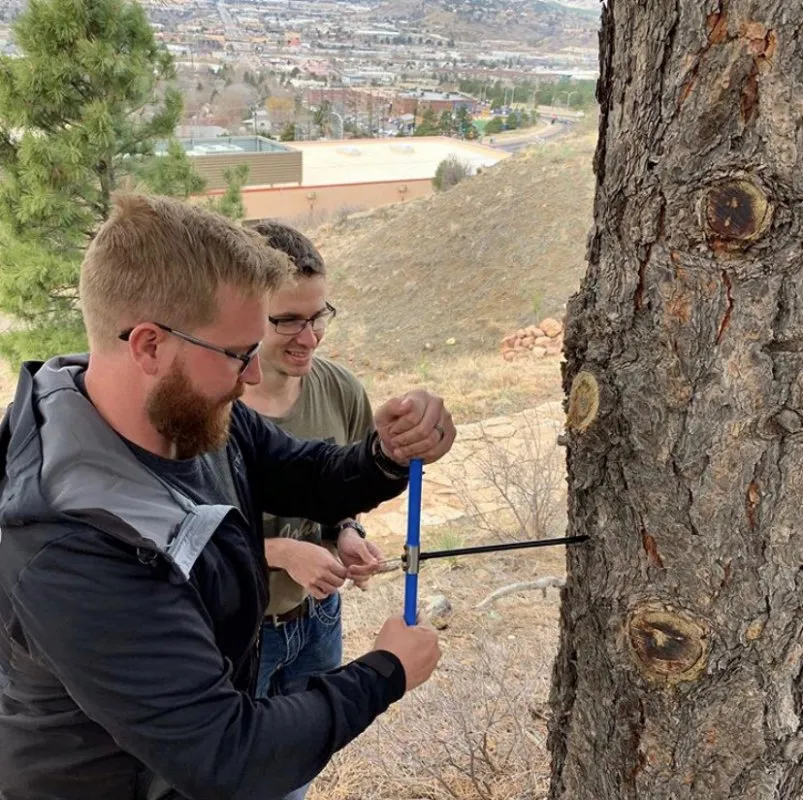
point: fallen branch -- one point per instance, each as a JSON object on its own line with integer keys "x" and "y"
{"x": 549, "y": 581}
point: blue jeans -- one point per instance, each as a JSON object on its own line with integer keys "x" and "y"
{"x": 300, "y": 649}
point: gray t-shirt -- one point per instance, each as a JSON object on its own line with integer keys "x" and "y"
{"x": 334, "y": 406}
{"x": 204, "y": 479}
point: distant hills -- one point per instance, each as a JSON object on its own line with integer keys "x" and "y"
{"x": 550, "y": 23}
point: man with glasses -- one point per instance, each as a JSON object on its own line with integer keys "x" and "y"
{"x": 312, "y": 398}
{"x": 133, "y": 579}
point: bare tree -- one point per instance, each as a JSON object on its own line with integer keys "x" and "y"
{"x": 480, "y": 735}
{"x": 515, "y": 487}
{"x": 679, "y": 673}
{"x": 450, "y": 172}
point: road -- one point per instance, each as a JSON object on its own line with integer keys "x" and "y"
{"x": 514, "y": 141}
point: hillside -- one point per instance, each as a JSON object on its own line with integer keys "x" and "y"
{"x": 495, "y": 253}
{"x": 548, "y": 23}
{"x": 499, "y": 251}
{"x": 589, "y": 6}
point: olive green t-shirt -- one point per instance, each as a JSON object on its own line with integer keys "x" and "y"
{"x": 334, "y": 406}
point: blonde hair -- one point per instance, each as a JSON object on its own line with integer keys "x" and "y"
{"x": 162, "y": 260}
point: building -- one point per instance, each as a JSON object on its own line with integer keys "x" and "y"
{"x": 418, "y": 102}
{"x": 373, "y": 100}
{"x": 303, "y": 181}
{"x": 269, "y": 163}
{"x": 340, "y": 176}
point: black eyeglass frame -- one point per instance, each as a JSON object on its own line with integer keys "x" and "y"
{"x": 328, "y": 314}
{"x": 244, "y": 358}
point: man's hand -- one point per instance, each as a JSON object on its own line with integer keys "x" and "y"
{"x": 416, "y": 425}
{"x": 360, "y": 557}
{"x": 416, "y": 646}
{"x": 308, "y": 564}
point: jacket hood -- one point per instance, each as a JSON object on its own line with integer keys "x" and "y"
{"x": 60, "y": 461}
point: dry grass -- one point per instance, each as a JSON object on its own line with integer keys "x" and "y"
{"x": 514, "y": 487}
{"x": 474, "y": 386}
{"x": 477, "y": 730}
{"x": 495, "y": 253}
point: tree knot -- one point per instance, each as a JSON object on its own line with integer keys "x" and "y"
{"x": 736, "y": 213}
{"x": 669, "y": 646}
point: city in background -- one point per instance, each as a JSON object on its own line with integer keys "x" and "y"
{"x": 331, "y": 71}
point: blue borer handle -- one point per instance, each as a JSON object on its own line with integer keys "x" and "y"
{"x": 412, "y": 547}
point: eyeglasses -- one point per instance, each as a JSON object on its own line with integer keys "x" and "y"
{"x": 244, "y": 358}
{"x": 292, "y": 326}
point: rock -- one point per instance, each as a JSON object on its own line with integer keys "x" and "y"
{"x": 503, "y": 430}
{"x": 521, "y": 333}
{"x": 543, "y": 341}
{"x": 508, "y": 355}
{"x": 473, "y": 432}
{"x": 538, "y": 352}
{"x": 551, "y": 327}
{"x": 451, "y": 341}
{"x": 427, "y": 345}
{"x": 438, "y": 610}
{"x": 438, "y": 604}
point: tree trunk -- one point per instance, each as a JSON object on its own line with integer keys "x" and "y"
{"x": 679, "y": 671}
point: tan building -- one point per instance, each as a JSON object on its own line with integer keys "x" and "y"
{"x": 304, "y": 181}
{"x": 269, "y": 163}
{"x": 417, "y": 102}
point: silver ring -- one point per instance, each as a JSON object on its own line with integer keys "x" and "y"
{"x": 440, "y": 430}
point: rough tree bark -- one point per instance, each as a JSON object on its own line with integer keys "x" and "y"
{"x": 679, "y": 671}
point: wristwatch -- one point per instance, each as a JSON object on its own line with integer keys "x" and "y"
{"x": 351, "y": 523}
{"x": 387, "y": 465}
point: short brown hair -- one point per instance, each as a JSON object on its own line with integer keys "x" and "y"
{"x": 297, "y": 247}
{"x": 162, "y": 260}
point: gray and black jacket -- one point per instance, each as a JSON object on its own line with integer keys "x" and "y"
{"x": 129, "y": 613}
